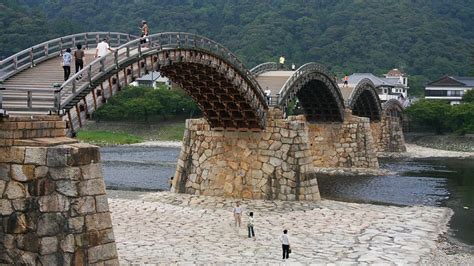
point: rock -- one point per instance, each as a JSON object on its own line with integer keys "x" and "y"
{"x": 83, "y": 205}
{"x": 41, "y": 171}
{"x": 67, "y": 188}
{"x": 98, "y": 221}
{"x": 102, "y": 252}
{"x": 48, "y": 245}
{"x": 76, "y": 224}
{"x": 22, "y": 173}
{"x": 2, "y": 186}
{"x": 35, "y": 156}
{"x": 4, "y": 172}
{"x": 68, "y": 244}
{"x": 91, "y": 171}
{"x": 101, "y": 203}
{"x": 53, "y": 203}
{"x": 17, "y": 223}
{"x": 65, "y": 173}
{"x": 50, "y": 224}
{"x": 51, "y": 259}
{"x": 15, "y": 190}
{"x": 92, "y": 187}
{"x": 5, "y": 207}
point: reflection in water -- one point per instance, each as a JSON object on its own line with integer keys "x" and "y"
{"x": 434, "y": 182}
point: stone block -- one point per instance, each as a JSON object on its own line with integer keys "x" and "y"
{"x": 42, "y": 187}
{"x": 102, "y": 253}
{"x": 16, "y": 223}
{"x": 48, "y": 245}
{"x": 83, "y": 205}
{"x": 53, "y": 203}
{"x": 91, "y": 171}
{"x": 58, "y": 156}
{"x": 5, "y": 207}
{"x": 51, "y": 259}
{"x": 65, "y": 173}
{"x": 50, "y": 224}
{"x": 98, "y": 221}
{"x": 92, "y": 187}
{"x": 68, "y": 244}
{"x": 101, "y": 203}
{"x": 15, "y": 190}
{"x": 28, "y": 242}
{"x": 4, "y": 171}
{"x": 12, "y": 154}
{"x": 76, "y": 224}
{"x": 3, "y": 184}
{"x": 67, "y": 188}
{"x": 83, "y": 154}
{"x": 22, "y": 173}
{"x": 36, "y": 156}
{"x": 95, "y": 238}
{"x": 41, "y": 171}
{"x": 20, "y": 204}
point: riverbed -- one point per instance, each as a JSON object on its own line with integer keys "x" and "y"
{"x": 445, "y": 182}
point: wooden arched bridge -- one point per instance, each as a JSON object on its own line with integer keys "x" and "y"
{"x": 230, "y": 96}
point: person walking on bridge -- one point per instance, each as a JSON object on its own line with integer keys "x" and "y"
{"x": 102, "y": 48}
{"x": 282, "y": 62}
{"x": 66, "y": 63}
{"x": 79, "y": 58}
{"x": 145, "y": 32}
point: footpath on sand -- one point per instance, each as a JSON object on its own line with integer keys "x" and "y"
{"x": 174, "y": 228}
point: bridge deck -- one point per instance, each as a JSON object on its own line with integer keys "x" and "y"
{"x": 273, "y": 80}
{"x": 40, "y": 80}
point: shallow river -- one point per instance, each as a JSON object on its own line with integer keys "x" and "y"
{"x": 435, "y": 182}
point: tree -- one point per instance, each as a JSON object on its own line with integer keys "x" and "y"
{"x": 468, "y": 96}
{"x": 430, "y": 113}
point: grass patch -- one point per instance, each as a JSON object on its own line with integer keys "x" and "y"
{"x": 99, "y": 137}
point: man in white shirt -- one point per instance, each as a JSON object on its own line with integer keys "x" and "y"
{"x": 102, "y": 49}
{"x": 238, "y": 214}
{"x": 285, "y": 244}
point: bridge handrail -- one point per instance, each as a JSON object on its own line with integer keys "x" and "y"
{"x": 43, "y": 51}
{"x": 301, "y": 71}
{"x": 160, "y": 42}
{"x": 264, "y": 67}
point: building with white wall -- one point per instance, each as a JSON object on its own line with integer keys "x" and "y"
{"x": 450, "y": 88}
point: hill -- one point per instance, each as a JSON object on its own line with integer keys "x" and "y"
{"x": 424, "y": 38}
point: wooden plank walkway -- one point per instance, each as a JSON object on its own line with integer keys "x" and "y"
{"x": 40, "y": 80}
{"x": 273, "y": 80}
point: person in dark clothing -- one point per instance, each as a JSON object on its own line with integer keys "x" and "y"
{"x": 285, "y": 244}
{"x": 79, "y": 58}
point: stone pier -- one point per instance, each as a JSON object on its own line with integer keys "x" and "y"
{"x": 347, "y": 144}
{"x": 388, "y": 134}
{"x": 275, "y": 163}
{"x": 53, "y": 209}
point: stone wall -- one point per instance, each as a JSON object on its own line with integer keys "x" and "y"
{"x": 388, "y": 134}
{"x": 273, "y": 164}
{"x": 53, "y": 209}
{"x": 347, "y": 144}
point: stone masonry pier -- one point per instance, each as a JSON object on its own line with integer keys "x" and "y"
{"x": 53, "y": 206}
{"x": 275, "y": 163}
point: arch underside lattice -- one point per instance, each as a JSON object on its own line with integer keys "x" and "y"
{"x": 224, "y": 96}
{"x": 365, "y": 102}
{"x": 393, "y": 108}
{"x": 319, "y": 98}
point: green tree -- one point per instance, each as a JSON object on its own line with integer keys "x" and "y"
{"x": 430, "y": 113}
{"x": 461, "y": 118}
{"x": 468, "y": 96}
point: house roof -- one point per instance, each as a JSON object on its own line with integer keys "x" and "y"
{"x": 453, "y": 81}
{"x": 355, "y": 78}
{"x": 394, "y": 73}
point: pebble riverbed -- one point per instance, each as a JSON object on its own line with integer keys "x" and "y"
{"x": 172, "y": 228}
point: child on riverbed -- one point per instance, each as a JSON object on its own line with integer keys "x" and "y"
{"x": 250, "y": 224}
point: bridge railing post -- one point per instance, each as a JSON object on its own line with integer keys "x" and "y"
{"x": 57, "y": 98}
{"x": 29, "y": 99}
{"x": 89, "y": 73}
{"x": 2, "y": 111}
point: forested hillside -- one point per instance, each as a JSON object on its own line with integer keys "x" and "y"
{"x": 426, "y": 38}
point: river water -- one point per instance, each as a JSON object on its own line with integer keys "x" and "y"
{"x": 433, "y": 182}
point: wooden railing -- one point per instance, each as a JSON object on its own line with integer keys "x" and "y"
{"x": 134, "y": 50}
{"x": 265, "y": 67}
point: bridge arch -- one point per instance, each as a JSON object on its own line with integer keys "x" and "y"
{"x": 264, "y": 67}
{"x": 317, "y": 92}
{"x": 220, "y": 84}
{"x": 393, "y": 108}
{"x": 364, "y": 101}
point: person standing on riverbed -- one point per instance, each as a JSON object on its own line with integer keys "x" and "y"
{"x": 285, "y": 244}
{"x": 250, "y": 224}
{"x": 238, "y": 214}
